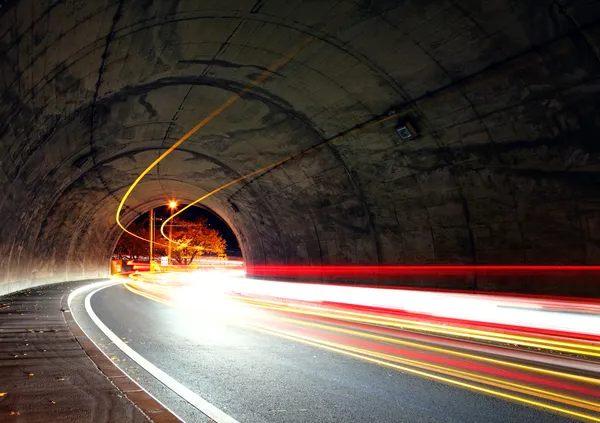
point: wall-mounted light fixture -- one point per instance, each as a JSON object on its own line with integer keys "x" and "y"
{"x": 234, "y": 207}
{"x": 406, "y": 130}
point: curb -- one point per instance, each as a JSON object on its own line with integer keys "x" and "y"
{"x": 132, "y": 391}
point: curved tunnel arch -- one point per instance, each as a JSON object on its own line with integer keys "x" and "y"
{"x": 144, "y": 209}
{"x": 504, "y": 171}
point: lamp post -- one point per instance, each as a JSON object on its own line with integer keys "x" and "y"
{"x": 172, "y": 206}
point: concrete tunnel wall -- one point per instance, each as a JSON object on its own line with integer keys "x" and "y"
{"x": 504, "y": 94}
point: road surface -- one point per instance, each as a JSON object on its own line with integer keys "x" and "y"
{"x": 259, "y": 365}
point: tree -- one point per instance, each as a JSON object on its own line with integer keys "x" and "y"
{"x": 131, "y": 246}
{"x": 134, "y": 247}
{"x": 195, "y": 238}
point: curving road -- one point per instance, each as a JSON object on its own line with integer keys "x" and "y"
{"x": 259, "y": 365}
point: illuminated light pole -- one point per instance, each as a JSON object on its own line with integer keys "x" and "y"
{"x": 172, "y": 206}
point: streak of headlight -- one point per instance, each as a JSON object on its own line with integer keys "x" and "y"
{"x": 499, "y": 383}
{"x": 570, "y": 347}
{"x": 271, "y": 166}
{"x": 334, "y": 348}
{"x": 145, "y": 294}
{"x": 332, "y": 271}
{"x": 466, "y": 364}
{"x": 554, "y": 396}
{"x": 504, "y": 384}
{"x": 502, "y": 338}
{"x": 388, "y": 339}
{"x": 492, "y": 309}
{"x": 405, "y": 343}
{"x": 190, "y": 288}
{"x": 445, "y": 351}
{"x": 380, "y": 358}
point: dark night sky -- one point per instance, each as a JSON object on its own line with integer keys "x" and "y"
{"x": 193, "y": 213}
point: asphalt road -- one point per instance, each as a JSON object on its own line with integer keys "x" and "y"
{"x": 259, "y": 377}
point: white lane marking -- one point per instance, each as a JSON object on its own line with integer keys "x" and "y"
{"x": 92, "y": 286}
{"x": 197, "y": 401}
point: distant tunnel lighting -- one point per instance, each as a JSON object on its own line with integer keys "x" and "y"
{"x": 172, "y": 204}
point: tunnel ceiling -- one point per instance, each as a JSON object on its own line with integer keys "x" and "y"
{"x": 504, "y": 95}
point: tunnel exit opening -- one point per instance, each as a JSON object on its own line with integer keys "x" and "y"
{"x": 198, "y": 236}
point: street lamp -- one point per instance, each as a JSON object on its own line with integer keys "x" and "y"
{"x": 172, "y": 206}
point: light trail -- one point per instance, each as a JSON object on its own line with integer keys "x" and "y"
{"x": 442, "y": 322}
{"x": 404, "y": 324}
{"x": 143, "y": 293}
{"x": 395, "y": 271}
{"x": 411, "y": 345}
{"x": 271, "y": 166}
{"x": 503, "y": 311}
{"x": 449, "y": 351}
{"x": 270, "y": 70}
{"x": 357, "y": 353}
{"x": 358, "y": 340}
{"x": 462, "y": 373}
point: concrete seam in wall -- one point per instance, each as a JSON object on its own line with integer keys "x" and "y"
{"x": 109, "y": 37}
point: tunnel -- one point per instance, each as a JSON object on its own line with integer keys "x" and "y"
{"x": 500, "y": 98}
{"x": 413, "y": 184}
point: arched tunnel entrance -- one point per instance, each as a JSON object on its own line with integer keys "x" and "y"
{"x": 198, "y": 235}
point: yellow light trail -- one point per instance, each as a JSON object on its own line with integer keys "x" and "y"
{"x": 441, "y": 350}
{"x": 270, "y": 70}
{"x": 397, "y": 341}
{"x": 504, "y": 384}
{"x": 271, "y": 166}
{"x": 392, "y": 361}
{"x": 144, "y": 294}
{"x": 332, "y": 347}
{"x": 387, "y": 339}
{"x": 504, "y": 338}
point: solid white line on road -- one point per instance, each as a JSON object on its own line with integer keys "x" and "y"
{"x": 197, "y": 401}
{"x": 106, "y": 284}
